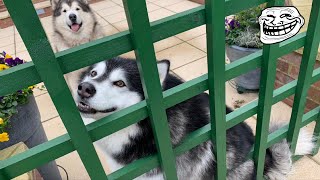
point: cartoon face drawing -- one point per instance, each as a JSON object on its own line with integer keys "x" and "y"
{"x": 279, "y": 23}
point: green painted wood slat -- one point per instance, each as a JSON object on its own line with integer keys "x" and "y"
{"x": 140, "y": 30}
{"x": 305, "y": 75}
{"x": 215, "y": 27}
{"x": 268, "y": 76}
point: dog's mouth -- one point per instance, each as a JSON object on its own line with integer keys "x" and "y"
{"x": 278, "y": 30}
{"x": 75, "y": 27}
{"x": 84, "y": 108}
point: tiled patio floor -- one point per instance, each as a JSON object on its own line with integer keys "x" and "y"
{"x": 187, "y": 52}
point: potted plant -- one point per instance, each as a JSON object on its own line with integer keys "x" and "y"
{"x": 20, "y": 119}
{"x": 242, "y": 39}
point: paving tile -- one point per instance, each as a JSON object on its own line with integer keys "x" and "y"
{"x": 165, "y": 3}
{"x": 110, "y": 11}
{"x": 109, "y": 30}
{"x": 46, "y": 20}
{"x": 102, "y": 5}
{"x": 200, "y": 42}
{"x": 192, "y": 70}
{"x": 316, "y": 157}
{"x": 74, "y": 167}
{"x": 54, "y": 128}
{"x": 115, "y": 17}
{"x": 305, "y": 169}
{"x": 166, "y": 43}
{"x": 159, "y": 14}
{"x": 6, "y": 32}
{"x": 46, "y": 107}
{"x": 192, "y": 33}
{"x": 118, "y": 2}
{"x": 5, "y": 41}
{"x": 122, "y": 25}
{"x": 20, "y": 47}
{"x": 182, "y": 6}
{"x": 39, "y": 90}
{"x": 130, "y": 55}
{"x": 101, "y": 21}
{"x": 8, "y": 49}
{"x": 152, "y": 7}
{"x": 232, "y": 96}
{"x": 17, "y": 38}
{"x": 180, "y": 55}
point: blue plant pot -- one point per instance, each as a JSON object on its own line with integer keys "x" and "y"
{"x": 247, "y": 81}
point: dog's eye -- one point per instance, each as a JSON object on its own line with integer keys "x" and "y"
{"x": 93, "y": 73}
{"x": 78, "y": 9}
{"x": 64, "y": 10}
{"x": 119, "y": 83}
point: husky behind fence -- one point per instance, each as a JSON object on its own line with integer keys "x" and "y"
{"x": 115, "y": 84}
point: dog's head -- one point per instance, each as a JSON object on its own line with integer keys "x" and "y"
{"x": 112, "y": 85}
{"x": 71, "y": 15}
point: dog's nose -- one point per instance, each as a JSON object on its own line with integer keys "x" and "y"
{"x": 73, "y": 17}
{"x": 86, "y": 90}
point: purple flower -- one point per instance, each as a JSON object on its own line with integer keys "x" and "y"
{"x": 226, "y": 31}
{"x": 237, "y": 24}
{"x": 1, "y": 60}
{"x": 10, "y": 62}
{"x": 18, "y": 61}
{"x": 20, "y": 91}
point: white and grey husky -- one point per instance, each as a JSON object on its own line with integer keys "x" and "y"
{"x": 115, "y": 84}
{"x": 74, "y": 23}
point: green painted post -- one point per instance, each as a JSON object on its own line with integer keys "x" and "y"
{"x": 215, "y": 15}
{"x": 268, "y": 75}
{"x": 304, "y": 80}
{"x": 138, "y": 21}
{"x": 316, "y": 134}
{"x": 27, "y": 23}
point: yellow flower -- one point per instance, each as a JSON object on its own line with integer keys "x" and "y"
{"x": 31, "y": 87}
{"x": 1, "y": 121}
{"x": 4, "y": 137}
{"x": 3, "y": 67}
{"x": 7, "y": 56}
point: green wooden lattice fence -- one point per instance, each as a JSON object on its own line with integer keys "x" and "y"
{"x": 49, "y": 68}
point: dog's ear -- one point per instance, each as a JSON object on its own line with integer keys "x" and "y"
{"x": 163, "y": 69}
{"x": 54, "y": 3}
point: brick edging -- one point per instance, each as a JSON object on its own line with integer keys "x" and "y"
{"x": 288, "y": 67}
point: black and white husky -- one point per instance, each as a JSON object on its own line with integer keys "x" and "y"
{"x": 115, "y": 84}
{"x": 74, "y": 23}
